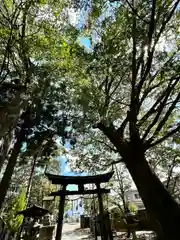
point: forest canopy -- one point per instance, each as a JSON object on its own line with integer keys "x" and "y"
{"x": 102, "y": 76}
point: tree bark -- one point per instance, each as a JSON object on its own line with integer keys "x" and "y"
{"x": 5, "y": 148}
{"x": 9, "y": 114}
{"x": 5, "y": 182}
{"x": 28, "y": 193}
{"x": 160, "y": 205}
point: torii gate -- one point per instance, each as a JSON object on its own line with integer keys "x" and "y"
{"x": 80, "y": 181}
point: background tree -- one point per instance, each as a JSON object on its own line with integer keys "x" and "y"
{"x": 13, "y": 220}
{"x": 28, "y": 44}
{"x": 121, "y": 183}
{"x": 40, "y": 189}
{"x": 40, "y": 186}
{"x": 164, "y": 160}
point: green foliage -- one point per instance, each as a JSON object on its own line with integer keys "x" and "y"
{"x": 67, "y": 205}
{"x": 41, "y": 188}
{"x": 132, "y": 207}
{"x": 116, "y": 213}
{"x": 128, "y": 82}
{"x": 13, "y": 220}
{"x": 103, "y": 82}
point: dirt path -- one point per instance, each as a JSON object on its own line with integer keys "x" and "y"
{"x": 72, "y": 231}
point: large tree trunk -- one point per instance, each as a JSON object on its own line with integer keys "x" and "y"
{"x": 160, "y": 205}
{"x": 5, "y": 182}
{"x": 5, "y": 148}
{"x": 9, "y": 114}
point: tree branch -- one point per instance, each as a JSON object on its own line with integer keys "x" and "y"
{"x": 169, "y": 134}
{"x": 121, "y": 129}
{"x": 149, "y": 44}
{"x": 12, "y": 86}
{"x": 164, "y": 95}
{"x": 113, "y": 135}
{"x": 6, "y": 53}
{"x": 148, "y": 90}
{"x": 165, "y": 118}
{"x": 113, "y": 163}
{"x": 140, "y": 61}
{"x": 116, "y": 87}
{"x": 170, "y": 172}
{"x": 149, "y": 87}
{"x": 160, "y": 109}
{"x": 134, "y": 11}
{"x": 166, "y": 21}
{"x": 134, "y": 99}
{"x": 152, "y": 49}
{"x": 23, "y": 53}
{"x": 108, "y": 146}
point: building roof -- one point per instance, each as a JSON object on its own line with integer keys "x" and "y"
{"x": 34, "y": 211}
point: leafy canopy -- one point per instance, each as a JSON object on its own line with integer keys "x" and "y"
{"x": 129, "y": 82}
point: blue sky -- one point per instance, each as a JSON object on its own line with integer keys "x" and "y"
{"x": 66, "y": 170}
{"x": 85, "y": 42}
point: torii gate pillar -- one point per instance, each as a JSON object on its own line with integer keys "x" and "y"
{"x": 104, "y": 234}
{"x": 61, "y": 213}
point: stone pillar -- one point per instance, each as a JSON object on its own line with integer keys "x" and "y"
{"x": 46, "y": 232}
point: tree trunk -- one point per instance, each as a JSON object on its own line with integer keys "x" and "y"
{"x": 160, "y": 205}
{"x": 28, "y": 193}
{"x": 5, "y": 148}
{"x": 5, "y": 182}
{"x": 9, "y": 114}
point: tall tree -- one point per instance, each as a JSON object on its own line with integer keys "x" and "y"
{"x": 42, "y": 121}
{"x": 29, "y": 37}
{"x": 130, "y": 85}
{"x": 32, "y": 49}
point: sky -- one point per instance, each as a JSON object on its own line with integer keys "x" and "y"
{"x": 66, "y": 170}
{"x": 85, "y": 42}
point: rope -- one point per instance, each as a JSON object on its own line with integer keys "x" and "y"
{"x": 75, "y": 199}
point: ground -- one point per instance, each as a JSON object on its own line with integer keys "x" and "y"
{"x": 72, "y": 231}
